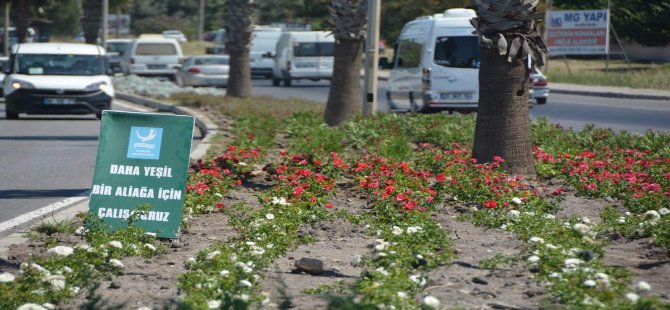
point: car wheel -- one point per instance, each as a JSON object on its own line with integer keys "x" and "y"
{"x": 541, "y": 100}
{"x": 11, "y": 115}
{"x": 287, "y": 80}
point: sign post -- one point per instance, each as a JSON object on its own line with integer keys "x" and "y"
{"x": 142, "y": 161}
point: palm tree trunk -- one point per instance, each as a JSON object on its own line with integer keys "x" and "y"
{"x": 239, "y": 77}
{"x": 345, "y": 86}
{"x": 21, "y": 12}
{"x": 92, "y": 11}
{"x": 503, "y": 121}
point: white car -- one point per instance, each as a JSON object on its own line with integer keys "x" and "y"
{"x": 539, "y": 87}
{"x": 205, "y": 70}
{"x": 158, "y": 57}
{"x": 175, "y": 34}
{"x": 4, "y": 62}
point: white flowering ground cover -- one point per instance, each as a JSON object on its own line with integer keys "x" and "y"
{"x": 424, "y": 232}
{"x": 160, "y": 88}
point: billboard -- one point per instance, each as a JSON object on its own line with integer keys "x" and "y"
{"x": 578, "y": 32}
{"x": 142, "y": 161}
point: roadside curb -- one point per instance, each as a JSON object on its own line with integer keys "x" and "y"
{"x": 207, "y": 126}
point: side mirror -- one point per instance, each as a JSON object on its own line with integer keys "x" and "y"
{"x": 269, "y": 55}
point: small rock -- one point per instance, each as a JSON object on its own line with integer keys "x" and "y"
{"x": 175, "y": 244}
{"x": 500, "y": 305}
{"x": 479, "y": 280}
{"x": 171, "y": 263}
{"x": 115, "y": 285}
{"x": 534, "y": 292}
{"x": 310, "y": 265}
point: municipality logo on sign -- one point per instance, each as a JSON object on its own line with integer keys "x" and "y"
{"x": 145, "y": 142}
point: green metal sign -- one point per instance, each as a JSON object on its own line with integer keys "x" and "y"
{"x": 142, "y": 160}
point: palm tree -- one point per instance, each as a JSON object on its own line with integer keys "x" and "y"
{"x": 91, "y": 20}
{"x": 508, "y": 38}
{"x": 348, "y": 21}
{"x": 21, "y": 15}
{"x": 238, "y": 24}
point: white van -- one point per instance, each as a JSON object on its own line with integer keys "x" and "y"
{"x": 57, "y": 78}
{"x": 303, "y": 55}
{"x": 152, "y": 57}
{"x": 263, "y": 50}
{"x": 436, "y": 65}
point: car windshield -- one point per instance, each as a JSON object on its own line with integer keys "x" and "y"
{"x": 211, "y": 61}
{"x": 457, "y": 52}
{"x": 116, "y": 47}
{"x": 45, "y": 64}
{"x": 312, "y": 49}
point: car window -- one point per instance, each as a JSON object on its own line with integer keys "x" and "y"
{"x": 156, "y": 49}
{"x": 116, "y": 47}
{"x": 457, "y": 52}
{"x": 45, "y": 64}
{"x": 211, "y": 61}
{"x": 312, "y": 49}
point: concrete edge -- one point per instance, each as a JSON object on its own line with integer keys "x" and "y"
{"x": 207, "y": 126}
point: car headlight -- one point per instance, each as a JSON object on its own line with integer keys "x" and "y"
{"x": 97, "y": 86}
{"x": 18, "y": 84}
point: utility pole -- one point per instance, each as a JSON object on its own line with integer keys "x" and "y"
{"x": 371, "y": 59}
{"x": 105, "y": 16}
{"x": 546, "y": 32}
{"x": 201, "y": 21}
{"x": 5, "y": 34}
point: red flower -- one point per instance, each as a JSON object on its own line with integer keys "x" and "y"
{"x": 490, "y": 204}
{"x": 329, "y": 206}
{"x": 219, "y": 204}
{"x": 440, "y": 177}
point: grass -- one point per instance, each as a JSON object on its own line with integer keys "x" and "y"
{"x": 195, "y": 47}
{"x": 620, "y": 73}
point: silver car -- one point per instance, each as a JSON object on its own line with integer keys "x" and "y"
{"x": 205, "y": 70}
{"x": 539, "y": 87}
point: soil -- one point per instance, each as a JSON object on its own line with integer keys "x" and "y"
{"x": 153, "y": 282}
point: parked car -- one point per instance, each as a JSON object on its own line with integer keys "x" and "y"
{"x": 4, "y": 62}
{"x": 175, "y": 34}
{"x": 205, "y": 70}
{"x": 57, "y": 78}
{"x": 159, "y": 57}
{"x": 115, "y": 50}
{"x": 539, "y": 87}
{"x": 303, "y": 55}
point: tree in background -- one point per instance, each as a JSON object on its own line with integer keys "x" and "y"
{"x": 238, "y": 23}
{"x": 640, "y": 21}
{"x": 508, "y": 37}
{"x": 91, "y": 20}
{"x": 312, "y": 12}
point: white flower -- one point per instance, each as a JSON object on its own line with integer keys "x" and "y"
{"x": 270, "y": 216}
{"x": 414, "y": 229}
{"x": 211, "y": 256}
{"x": 80, "y": 231}
{"x": 554, "y": 275}
{"x": 418, "y": 279}
{"x": 250, "y": 243}
{"x": 67, "y": 269}
{"x": 116, "y": 263}
{"x": 247, "y": 269}
{"x": 632, "y": 297}
{"x": 402, "y": 294}
{"x": 549, "y": 216}
{"x": 150, "y": 234}
{"x": 243, "y": 297}
{"x": 652, "y": 214}
{"x": 57, "y": 284}
{"x": 115, "y": 244}
{"x": 245, "y": 283}
{"x": 431, "y": 301}
{"x": 516, "y": 201}
{"x": 664, "y": 211}
{"x": 581, "y": 228}
{"x": 551, "y": 246}
{"x": 6, "y": 277}
{"x": 533, "y": 259}
{"x": 224, "y": 273}
{"x": 49, "y": 306}
{"x": 586, "y": 220}
{"x": 536, "y": 240}
{"x": 396, "y": 230}
{"x": 31, "y": 307}
{"x": 280, "y": 201}
{"x": 214, "y": 304}
{"x": 643, "y": 286}
{"x": 621, "y": 220}
{"x": 150, "y": 247}
{"x": 258, "y": 251}
{"x": 243, "y": 164}
{"x": 61, "y": 250}
{"x": 383, "y": 271}
{"x": 589, "y": 283}
{"x": 572, "y": 263}
{"x": 380, "y": 245}
{"x": 513, "y": 214}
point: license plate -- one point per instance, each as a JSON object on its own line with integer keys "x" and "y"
{"x": 60, "y": 101}
{"x": 157, "y": 66}
{"x": 455, "y": 96}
